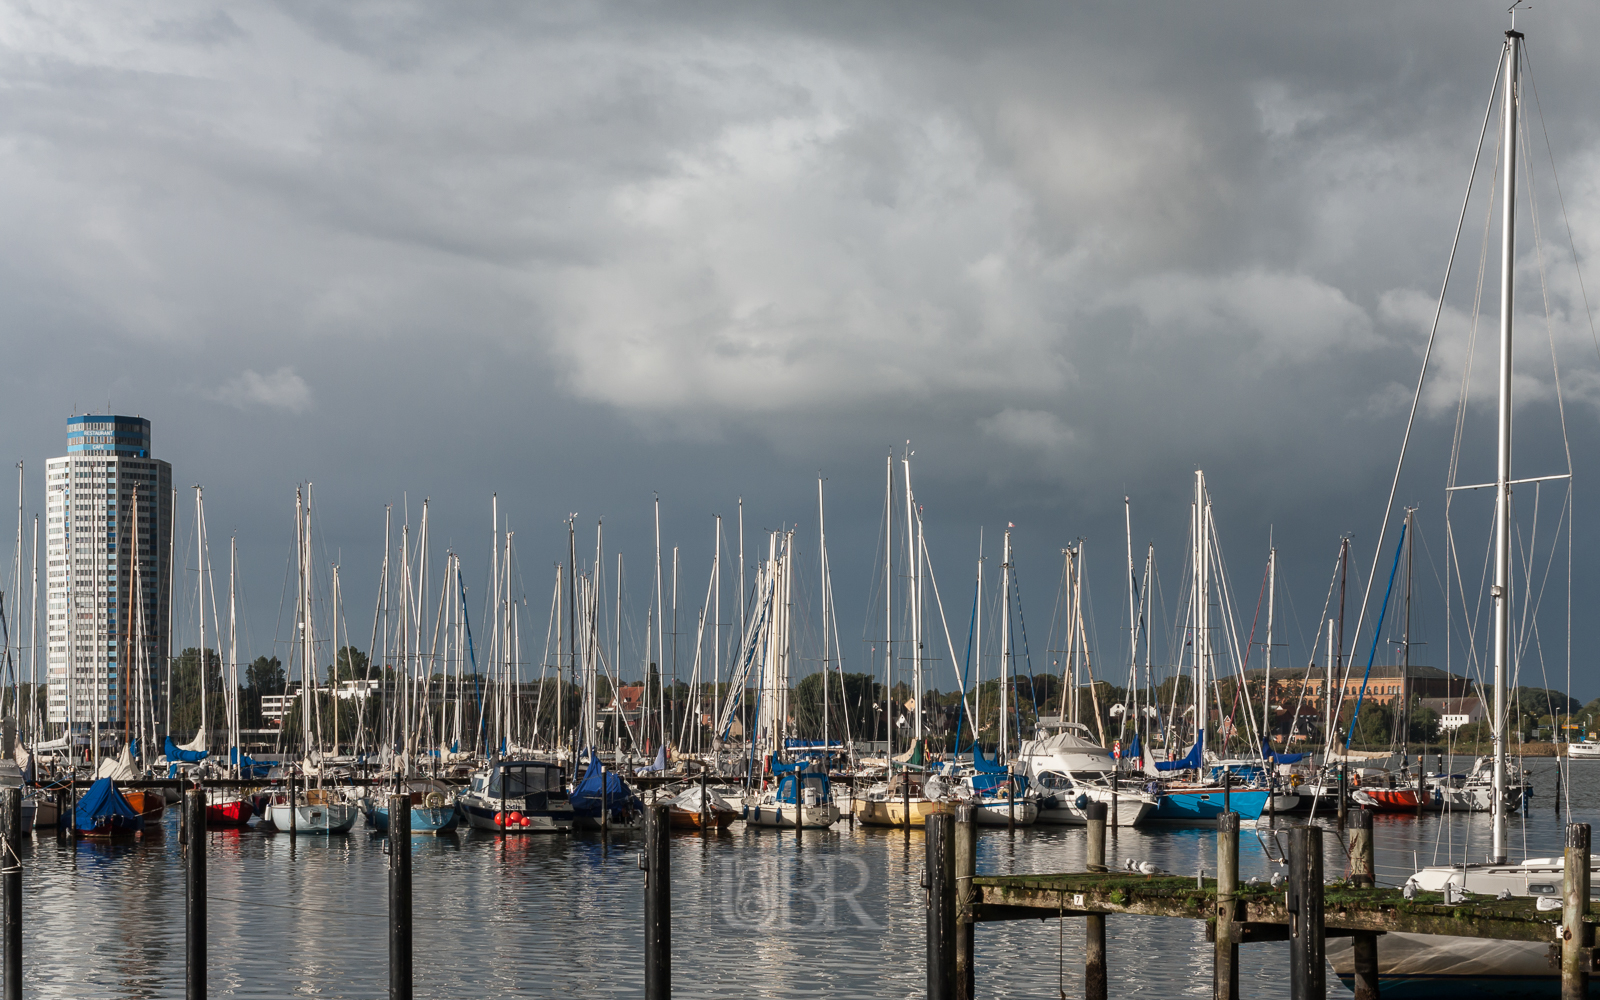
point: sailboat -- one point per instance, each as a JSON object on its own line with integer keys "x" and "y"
{"x": 800, "y": 796}
{"x": 1421, "y": 965}
{"x": 1200, "y": 799}
{"x": 309, "y": 810}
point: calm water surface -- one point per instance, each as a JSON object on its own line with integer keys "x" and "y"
{"x": 756, "y": 915}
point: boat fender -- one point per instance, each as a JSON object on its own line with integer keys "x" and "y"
{"x": 1082, "y": 801}
{"x": 1050, "y": 802}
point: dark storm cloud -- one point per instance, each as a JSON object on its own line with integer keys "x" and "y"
{"x": 576, "y": 253}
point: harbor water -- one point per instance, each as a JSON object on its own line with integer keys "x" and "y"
{"x": 755, "y": 913}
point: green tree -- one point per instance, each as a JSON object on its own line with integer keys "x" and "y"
{"x": 186, "y": 681}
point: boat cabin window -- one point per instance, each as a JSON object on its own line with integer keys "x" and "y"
{"x": 1053, "y": 781}
{"x": 515, "y": 782}
{"x": 1541, "y": 888}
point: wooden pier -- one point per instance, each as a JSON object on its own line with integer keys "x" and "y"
{"x": 1303, "y": 910}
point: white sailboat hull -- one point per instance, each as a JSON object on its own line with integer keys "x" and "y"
{"x": 332, "y": 817}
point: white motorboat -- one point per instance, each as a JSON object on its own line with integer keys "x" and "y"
{"x": 1070, "y": 771}
{"x": 517, "y": 796}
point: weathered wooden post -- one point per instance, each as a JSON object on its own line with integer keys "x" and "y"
{"x": 294, "y": 811}
{"x": 399, "y": 896}
{"x": 1344, "y": 795}
{"x": 966, "y": 860}
{"x": 941, "y": 881}
{"x": 1577, "y": 938}
{"x": 1094, "y": 926}
{"x": 657, "y": 904}
{"x": 905, "y": 789}
{"x": 1011, "y": 800}
{"x": 705, "y": 805}
{"x": 194, "y": 825}
{"x": 1307, "y": 964}
{"x": 1422, "y": 784}
{"x": 11, "y": 889}
{"x": 1362, "y": 875}
{"x": 64, "y": 821}
{"x": 1227, "y": 790}
{"x": 605, "y": 805}
{"x": 1225, "y": 982}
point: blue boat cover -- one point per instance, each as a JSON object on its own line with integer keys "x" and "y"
{"x": 986, "y": 765}
{"x": 1280, "y": 758}
{"x": 103, "y": 801}
{"x": 1135, "y": 749}
{"x": 187, "y": 756}
{"x": 248, "y": 766}
{"x": 803, "y": 773}
{"x": 585, "y": 796}
{"x": 1190, "y": 761}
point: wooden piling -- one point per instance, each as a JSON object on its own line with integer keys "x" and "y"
{"x": 905, "y": 788}
{"x": 194, "y": 825}
{"x": 1362, "y": 875}
{"x": 1422, "y": 784}
{"x": 11, "y": 890}
{"x": 399, "y": 896}
{"x": 1577, "y": 937}
{"x": 1227, "y": 790}
{"x": 1094, "y": 927}
{"x": 1225, "y": 981}
{"x": 294, "y": 812}
{"x": 1358, "y": 841}
{"x": 64, "y": 821}
{"x": 705, "y": 805}
{"x": 1307, "y": 963}
{"x": 941, "y": 881}
{"x": 657, "y": 903}
{"x": 1011, "y": 801}
{"x": 1344, "y": 795}
{"x": 966, "y": 861}
{"x": 605, "y": 805}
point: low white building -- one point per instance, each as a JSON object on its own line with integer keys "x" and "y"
{"x": 1456, "y": 712}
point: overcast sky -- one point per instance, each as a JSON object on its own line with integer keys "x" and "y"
{"x": 580, "y": 254}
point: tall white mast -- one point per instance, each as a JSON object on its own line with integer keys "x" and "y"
{"x": 661, "y": 617}
{"x": 233, "y": 653}
{"x": 1202, "y": 606}
{"x": 890, "y": 712}
{"x": 915, "y": 577}
{"x": 1005, "y": 645}
{"x": 200, "y": 550}
{"x": 1502, "y": 507}
{"x": 822, "y": 564}
{"x": 1266, "y": 687}
{"x": 1133, "y": 613}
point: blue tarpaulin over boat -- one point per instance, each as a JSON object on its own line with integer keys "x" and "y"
{"x": 187, "y": 756}
{"x": 175, "y": 755}
{"x": 660, "y": 764}
{"x": 1190, "y": 761}
{"x": 248, "y": 766}
{"x": 586, "y": 793}
{"x": 1280, "y": 758}
{"x": 986, "y": 765}
{"x": 1135, "y": 749}
{"x": 804, "y": 773}
{"x": 103, "y": 810}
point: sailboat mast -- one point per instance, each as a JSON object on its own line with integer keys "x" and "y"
{"x": 1405, "y": 651}
{"x": 888, "y": 601}
{"x": 1266, "y": 684}
{"x": 1005, "y": 645}
{"x": 1133, "y": 610}
{"x": 915, "y": 576}
{"x": 1202, "y": 610}
{"x": 233, "y": 653}
{"x": 200, "y": 554}
{"x": 822, "y": 565}
{"x": 1502, "y": 507}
